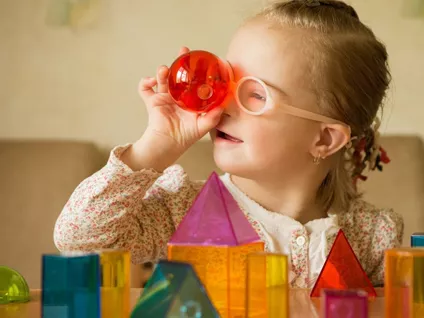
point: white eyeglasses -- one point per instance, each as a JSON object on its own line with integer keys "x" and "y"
{"x": 253, "y": 97}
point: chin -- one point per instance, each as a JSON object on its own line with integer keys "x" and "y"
{"x": 227, "y": 163}
{"x": 236, "y": 163}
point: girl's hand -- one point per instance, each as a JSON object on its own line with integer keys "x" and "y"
{"x": 171, "y": 130}
{"x": 167, "y": 119}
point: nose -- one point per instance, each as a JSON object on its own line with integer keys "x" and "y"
{"x": 230, "y": 106}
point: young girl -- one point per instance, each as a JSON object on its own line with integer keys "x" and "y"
{"x": 318, "y": 79}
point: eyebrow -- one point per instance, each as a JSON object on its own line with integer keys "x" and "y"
{"x": 277, "y": 89}
{"x": 273, "y": 87}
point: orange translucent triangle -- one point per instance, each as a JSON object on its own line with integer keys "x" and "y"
{"x": 342, "y": 270}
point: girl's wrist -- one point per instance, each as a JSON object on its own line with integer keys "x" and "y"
{"x": 152, "y": 151}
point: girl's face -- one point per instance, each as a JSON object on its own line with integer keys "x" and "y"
{"x": 274, "y": 144}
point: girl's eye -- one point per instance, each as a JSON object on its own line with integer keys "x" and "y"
{"x": 258, "y": 96}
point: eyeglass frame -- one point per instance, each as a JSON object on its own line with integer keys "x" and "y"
{"x": 288, "y": 109}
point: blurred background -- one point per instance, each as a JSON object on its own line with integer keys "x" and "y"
{"x": 70, "y": 68}
{"x": 69, "y": 71}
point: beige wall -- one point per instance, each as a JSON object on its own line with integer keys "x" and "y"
{"x": 81, "y": 83}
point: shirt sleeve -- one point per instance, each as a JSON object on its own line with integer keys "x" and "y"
{"x": 387, "y": 233}
{"x": 120, "y": 208}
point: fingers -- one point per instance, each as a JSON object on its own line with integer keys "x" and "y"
{"x": 162, "y": 79}
{"x": 147, "y": 84}
{"x": 183, "y": 50}
{"x": 209, "y": 120}
{"x": 163, "y": 72}
{"x": 161, "y": 99}
{"x": 145, "y": 87}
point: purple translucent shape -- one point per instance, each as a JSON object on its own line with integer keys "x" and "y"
{"x": 344, "y": 303}
{"x": 214, "y": 219}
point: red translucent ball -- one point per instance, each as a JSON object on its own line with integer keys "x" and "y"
{"x": 199, "y": 81}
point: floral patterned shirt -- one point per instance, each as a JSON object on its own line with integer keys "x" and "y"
{"x": 140, "y": 210}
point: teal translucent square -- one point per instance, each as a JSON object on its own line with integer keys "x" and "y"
{"x": 174, "y": 290}
{"x": 417, "y": 240}
{"x": 70, "y": 286}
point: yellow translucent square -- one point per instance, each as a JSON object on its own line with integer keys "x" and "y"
{"x": 115, "y": 283}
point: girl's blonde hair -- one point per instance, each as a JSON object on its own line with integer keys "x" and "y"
{"x": 350, "y": 77}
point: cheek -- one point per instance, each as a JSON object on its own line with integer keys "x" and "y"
{"x": 282, "y": 141}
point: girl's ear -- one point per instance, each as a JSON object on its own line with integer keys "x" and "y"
{"x": 331, "y": 139}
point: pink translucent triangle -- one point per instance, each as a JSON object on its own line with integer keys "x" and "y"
{"x": 214, "y": 219}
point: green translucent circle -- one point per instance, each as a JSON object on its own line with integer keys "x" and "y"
{"x": 13, "y": 287}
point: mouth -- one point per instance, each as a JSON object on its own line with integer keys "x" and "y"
{"x": 224, "y": 136}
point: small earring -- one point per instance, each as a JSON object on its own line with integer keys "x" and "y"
{"x": 317, "y": 159}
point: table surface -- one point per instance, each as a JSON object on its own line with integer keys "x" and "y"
{"x": 301, "y": 305}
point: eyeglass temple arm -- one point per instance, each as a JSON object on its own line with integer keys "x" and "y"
{"x": 313, "y": 116}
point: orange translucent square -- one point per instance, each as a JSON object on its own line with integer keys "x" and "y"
{"x": 404, "y": 282}
{"x": 267, "y": 285}
{"x": 222, "y": 271}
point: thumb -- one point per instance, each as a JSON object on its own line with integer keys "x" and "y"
{"x": 209, "y": 120}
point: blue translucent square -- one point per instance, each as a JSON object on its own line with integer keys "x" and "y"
{"x": 71, "y": 286}
{"x": 174, "y": 290}
{"x": 417, "y": 240}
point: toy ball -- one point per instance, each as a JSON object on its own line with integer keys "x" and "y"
{"x": 199, "y": 81}
{"x": 13, "y": 287}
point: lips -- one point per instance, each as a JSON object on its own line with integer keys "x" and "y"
{"x": 223, "y": 135}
